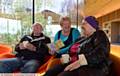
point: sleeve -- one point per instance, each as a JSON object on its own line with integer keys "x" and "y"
{"x": 17, "y": 49}
{"x": 75, "y": 34}
{"x": 43, "y": 49}
{"x": 43, "y": 46}
{"x": 47, "y": 40}
{"x": 64, "y": 50}
{"x": 99, "y": 53}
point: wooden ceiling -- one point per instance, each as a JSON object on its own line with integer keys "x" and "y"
{"x": 100, "y": 7}
{"x": 96, "y": 8}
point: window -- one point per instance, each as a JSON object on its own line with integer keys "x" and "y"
{"x": 49, "y": 11}
{"x": 15, "y": 20}
{"x": 17, "y": 16}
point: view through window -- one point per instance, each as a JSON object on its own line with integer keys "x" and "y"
{"x": 15, "y": 20}
{"x": 17, "y": 16}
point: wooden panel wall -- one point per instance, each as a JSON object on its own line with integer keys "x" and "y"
{"x": 109, "y": 17}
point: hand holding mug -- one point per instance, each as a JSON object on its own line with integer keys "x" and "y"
{"x": 65, "y": 58}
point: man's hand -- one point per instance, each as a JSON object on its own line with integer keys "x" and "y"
{"x": 27, "y": 45}
{"x": 73, "y": 66}
{"x": 30, "y": 47}
{"x": 21, "y": 45}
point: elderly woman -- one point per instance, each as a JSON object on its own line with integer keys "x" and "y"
{"x": 90, "y": 53}
{"x": 67, "y": 34}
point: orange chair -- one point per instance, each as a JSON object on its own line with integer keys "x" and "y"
{"x": 115, "y": 57}
{"x": 5, "y": 49}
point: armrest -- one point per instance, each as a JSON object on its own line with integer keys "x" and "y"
{"x": 5, "y": 49}
{"x": 115, "y": 57}
{"x": 7, "y": 55}
{"x": 43, "y": 68}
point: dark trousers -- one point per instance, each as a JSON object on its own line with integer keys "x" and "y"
{"x": 58, "y": 70}
{"x": 11, "y": 64}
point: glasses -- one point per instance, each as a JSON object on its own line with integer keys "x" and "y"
{"x": 83, "y": 23}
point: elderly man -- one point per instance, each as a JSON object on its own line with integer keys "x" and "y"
{"x": 31, "y": 52}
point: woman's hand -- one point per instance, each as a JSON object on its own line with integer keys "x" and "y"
{"x": 81, "y": 62}
{"x": 52, "y": 52}
{"x": 73, "y": 66}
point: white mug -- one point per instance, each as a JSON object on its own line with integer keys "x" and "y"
{"x": 65, "y": 58}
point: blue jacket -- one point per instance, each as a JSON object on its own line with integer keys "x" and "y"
{"x": 75, "y": 34}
